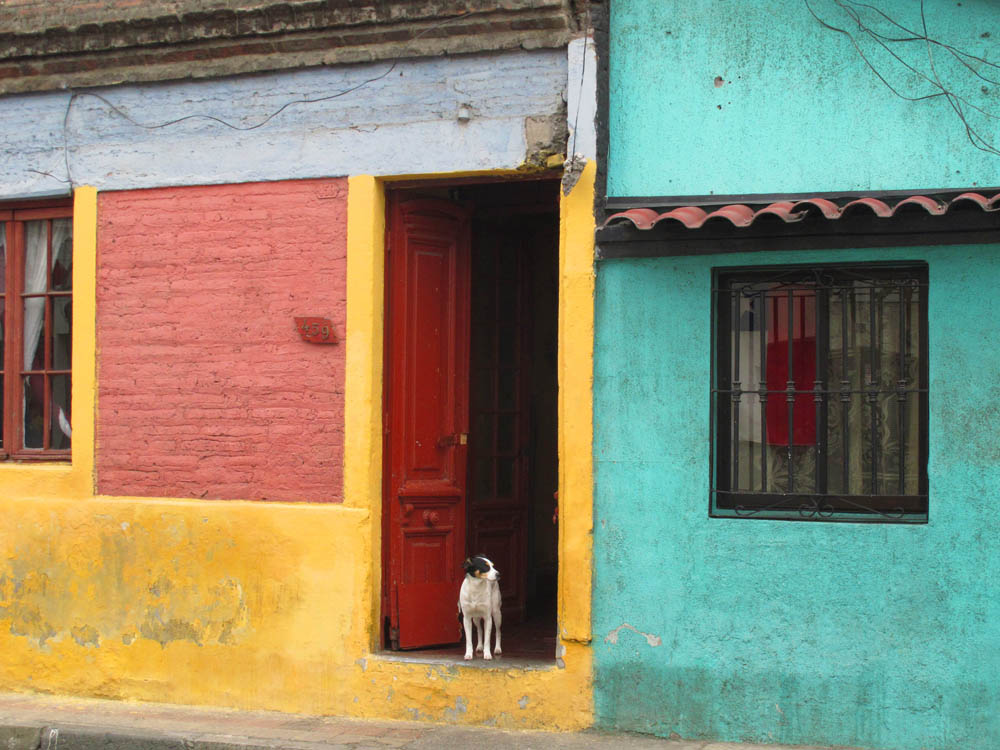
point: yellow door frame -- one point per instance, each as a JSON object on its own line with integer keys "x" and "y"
{"x": 559, "y": 696}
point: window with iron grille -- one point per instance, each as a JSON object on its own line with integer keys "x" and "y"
{"x": 819, "y": 399}
{"x": 36, "y": 331}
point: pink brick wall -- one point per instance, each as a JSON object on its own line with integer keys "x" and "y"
{"x": 205, "y": 389}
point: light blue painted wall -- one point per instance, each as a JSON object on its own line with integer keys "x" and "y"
{"x": 401, "y": 123}
{"x": 798, "y": 110}
{"x": 882, "y": 636}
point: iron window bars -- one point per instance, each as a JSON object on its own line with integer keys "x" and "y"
{"x": 819, "y": 396}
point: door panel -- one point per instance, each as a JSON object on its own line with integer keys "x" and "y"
{"x": 427, "y": 420}
{"x": 500, "y": 535}
{"x": 499, "y": 495}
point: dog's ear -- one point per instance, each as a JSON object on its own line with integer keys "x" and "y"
{"x": 467, "y": 565}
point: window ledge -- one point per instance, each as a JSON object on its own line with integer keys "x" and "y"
{"x": 36, "y": 464}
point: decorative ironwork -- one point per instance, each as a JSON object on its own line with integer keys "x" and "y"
{"x": 846, "y": 347}
{"x": 809, "y": 507}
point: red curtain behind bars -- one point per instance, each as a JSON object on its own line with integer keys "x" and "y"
{"x": 803, "y": 361}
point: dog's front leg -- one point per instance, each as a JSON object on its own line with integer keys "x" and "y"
{"x": 467, "y": 623}
{"x": 497, "y": 619}
{"x": 486, "y": 644}
{"x": 478, "y": 622}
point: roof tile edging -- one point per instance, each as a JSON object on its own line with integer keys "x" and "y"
{"x": 741, "y": 215}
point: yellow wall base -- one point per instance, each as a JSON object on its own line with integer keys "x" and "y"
{"x": 550, "y": 697}
{"x": 247, "y": 605}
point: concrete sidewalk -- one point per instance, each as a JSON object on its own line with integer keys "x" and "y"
{"x": 31, "y": 722}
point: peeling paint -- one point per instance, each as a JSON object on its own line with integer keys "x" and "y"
{"x": 389, "y": 127}
{"x": 461, "y": 707}
{"x": 84, "y": 614}
{"x": 443, "y": 671}
{"x": 85, "y": 635}
{"x": 172, "y": 630}
{"x": 652, "y": 640}
{"x": 30, "y": 624}
{"x": 523, "y": 702}
{"x": 161, "y": 586}
{"x": 544, "y": 137}
{"x": 571, "y": 173}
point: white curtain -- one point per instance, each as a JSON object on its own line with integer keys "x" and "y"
{"x": 35, "y": 243}
{"x": 36, "y": 246}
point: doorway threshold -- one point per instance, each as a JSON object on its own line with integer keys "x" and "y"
{"x": 526, "y": 645}
{"x": 455, "y": 657}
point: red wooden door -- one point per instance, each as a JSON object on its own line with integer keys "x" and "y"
{"x": 428, "y": 413}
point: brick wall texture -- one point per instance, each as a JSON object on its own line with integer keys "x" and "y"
{"x": 205, "y": 388}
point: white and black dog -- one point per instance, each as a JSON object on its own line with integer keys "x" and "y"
{"x": 479, "y": 604}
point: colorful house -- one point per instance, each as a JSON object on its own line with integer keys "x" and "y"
{"x": 300, "y": 307}
{"x": 795, "y": 449}
{"x": 298, "y": 311}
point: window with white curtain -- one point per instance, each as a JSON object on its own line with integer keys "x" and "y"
{"x": 36, "y": 331}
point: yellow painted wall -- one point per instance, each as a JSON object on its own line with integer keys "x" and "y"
{"x": 267, "y": 605}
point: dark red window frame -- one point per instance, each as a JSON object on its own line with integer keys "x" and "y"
{"x": 14, "y": 372}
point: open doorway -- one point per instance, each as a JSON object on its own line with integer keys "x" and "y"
{"x": 471, "y": 409}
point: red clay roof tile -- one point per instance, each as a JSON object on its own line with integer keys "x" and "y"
{"x": 740, "y": 215}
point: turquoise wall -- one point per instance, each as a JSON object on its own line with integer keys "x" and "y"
{"x": 882, "y": 636}
{"x": 797, "y": 110}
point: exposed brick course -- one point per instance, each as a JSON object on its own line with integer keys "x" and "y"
{"x": 205, "y": 388}
{"x": 72, "y": 44}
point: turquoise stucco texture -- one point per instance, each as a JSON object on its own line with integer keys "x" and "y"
{"x": 730, "y": 97}
{"x": 883, "y": 636}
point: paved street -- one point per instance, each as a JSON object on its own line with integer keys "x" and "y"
{"x": 29, "y": 722}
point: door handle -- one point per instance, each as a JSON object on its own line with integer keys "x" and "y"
{"x": 459, "y": 438}
{"x": 431, "y": 517}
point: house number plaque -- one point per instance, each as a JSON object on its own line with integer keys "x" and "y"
{"x": 316, "y": 330}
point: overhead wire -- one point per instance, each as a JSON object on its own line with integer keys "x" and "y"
{"x": 583, "y": 78}
{"x": 75, "y": 95}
